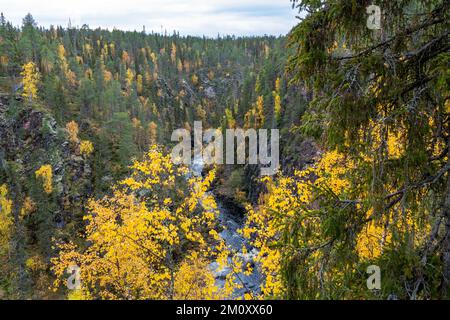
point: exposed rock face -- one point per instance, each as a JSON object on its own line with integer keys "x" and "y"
{"x": 303, "y": 154}
{"x": 210, "y": 93}
{"x": 30, "y": 138}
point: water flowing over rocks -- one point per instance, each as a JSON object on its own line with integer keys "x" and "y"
{"x": 231, "y": 221}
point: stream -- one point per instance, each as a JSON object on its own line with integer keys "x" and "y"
{"x": 231, "y": 222}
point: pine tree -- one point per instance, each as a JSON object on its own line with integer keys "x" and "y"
{"x": 388, "y": 118}
{"x": 2, "y": 19}
{"x": 29, "y": 22}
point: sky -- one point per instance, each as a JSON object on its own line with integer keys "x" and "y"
{"x": 188, "y": 17}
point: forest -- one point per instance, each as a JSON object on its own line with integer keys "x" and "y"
{"x": 93, "y": 206}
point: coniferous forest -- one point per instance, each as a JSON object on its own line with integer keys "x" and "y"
{"x": 93, "y": 205}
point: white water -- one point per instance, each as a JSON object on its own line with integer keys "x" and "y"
{"x": 231, "y": 223}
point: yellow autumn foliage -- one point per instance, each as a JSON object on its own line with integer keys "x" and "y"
{"x": 30, "y": 78}
{"x": 277, "y": 105}
{"x": 292, "y": 202}
{"x": 45, "y": 173}
{"x": 6, "y": 219}
{"x": 194, "y": 281}
{"x": 129, "y": 78}
{"x": 139, "y": 84}
{"x": 72, "y": 130}
{"x": 86, "y": 147}
{"x": 194, "y": 79}
{"x": 152, "y": 132}
{"x": 28, "y": 207}
{"x": 255, "y": 118}
{"x": 150, "y": 239}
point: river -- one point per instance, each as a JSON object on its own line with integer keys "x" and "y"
{"x": 231, "y": 222}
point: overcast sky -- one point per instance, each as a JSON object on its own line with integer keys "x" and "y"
{"x": 189, "y": 17}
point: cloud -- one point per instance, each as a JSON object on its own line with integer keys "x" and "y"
{"x": 189, "y": 17}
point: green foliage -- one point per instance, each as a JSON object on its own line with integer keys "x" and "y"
{"x": 379, "y": 99}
